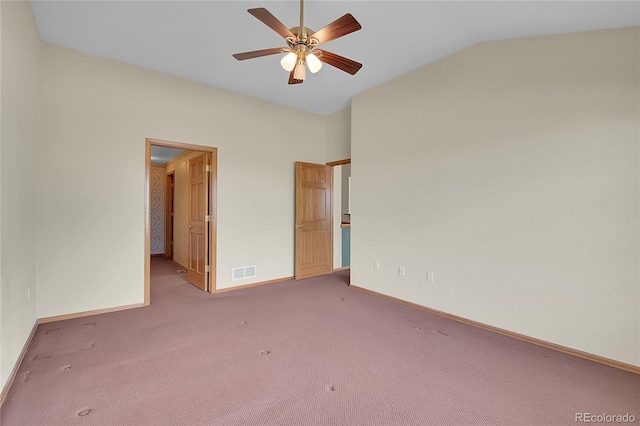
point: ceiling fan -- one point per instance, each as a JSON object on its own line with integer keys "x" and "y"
{"x": 302, "y": 45}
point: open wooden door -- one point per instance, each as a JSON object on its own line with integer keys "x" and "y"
{"x": 314, "y": 220}
{"x": 169, "y": 214}
{"x": 199, "y": 221}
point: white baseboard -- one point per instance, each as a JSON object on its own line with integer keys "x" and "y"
{"x": 16, "y": 367}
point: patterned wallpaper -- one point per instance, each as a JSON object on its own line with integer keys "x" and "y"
{"x": 156, "y": 191}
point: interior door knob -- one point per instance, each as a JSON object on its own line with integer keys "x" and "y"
{"x": 298, "y": 226}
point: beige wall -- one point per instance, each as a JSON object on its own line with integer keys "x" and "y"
{"x": 510, "y": 170}
{"x": 97, "y": 114}
{"x": 20, "y": 44}
{"x": 338, "y": 139}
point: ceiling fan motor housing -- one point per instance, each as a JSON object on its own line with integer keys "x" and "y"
{"x": 302, "y": 33}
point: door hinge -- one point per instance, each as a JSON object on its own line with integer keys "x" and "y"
{"x": 207, "y": 268}
{"x": 207, "y": 168}
{"x": 207, "y": 218}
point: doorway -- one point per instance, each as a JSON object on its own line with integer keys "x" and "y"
{"x": 322, "y": 218}
{"x": 341, "y": 214}
{"x": 207, "y": 202}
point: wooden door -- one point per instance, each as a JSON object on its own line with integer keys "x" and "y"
{"x": 169, "y": 214}
{"x": 314, "y": 220}
{"x": 198, "y": 221}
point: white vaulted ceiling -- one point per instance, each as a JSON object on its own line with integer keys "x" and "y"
{"x": 195, "y": 39}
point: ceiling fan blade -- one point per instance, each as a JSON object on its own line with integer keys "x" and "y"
{"x": 271, "y": 21}
{"x": 338, "y": 28}
{"x": 340, "y": 62}
{"x": 257, "y": 53}
{"x": 294, "y": 80}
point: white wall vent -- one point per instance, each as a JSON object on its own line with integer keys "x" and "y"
{"x": 244, "y": 272}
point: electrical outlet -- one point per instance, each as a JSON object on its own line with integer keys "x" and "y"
{"x": 430, "y": 276}
{"x": 28, "y": 293}
{"x": 376, "y": 265}
{"x": 401, "y": 270}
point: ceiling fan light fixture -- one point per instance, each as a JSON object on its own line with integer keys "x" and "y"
{"x": 301, "y": 42}
{"x": 300, "y": 72}
{"x": 313, "y": 63}
{"x": 289, "y": 61}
